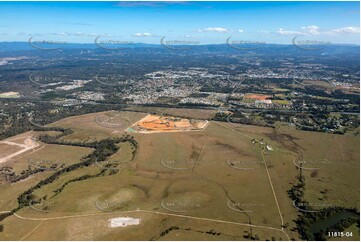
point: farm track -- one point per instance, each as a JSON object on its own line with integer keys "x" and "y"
{"x": 146, "y": 211}
{"x": 250, "y": 225}
{"x": 269, "y": 179}
{"x": 214, "y": 182}
{"x": 29, "y": 144}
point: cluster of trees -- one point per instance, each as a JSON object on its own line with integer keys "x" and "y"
{"x": 340, "y": 226}
{"x": 5, "y": 215}
{"x": 13, "y": 123}
{"x": 306, "y": 219}
{"x": 103, "y": 149}
{"x": 297, "y": 191}
{"x": 167, "y": 231}
{"x": 81, "y": 178}
{"x": 213, "y": 232}
{"x": 247, "y": 235}
{"x": 323, "y": 121}
{"x": 238, "y": 117}
{"x": 12, "y": 177}
{"x": 250, "y": 236}
{"x": 16, "y": 114}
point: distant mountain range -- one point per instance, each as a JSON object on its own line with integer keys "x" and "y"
{"x": 225, "y": 48}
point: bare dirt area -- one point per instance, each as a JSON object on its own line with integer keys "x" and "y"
{"x": 6, "y": 150}
{"x": 221, "y": 178}
{"x": 256, "y": 96}
{"x": 28, "y": 144}
{"x": 158, "y": 124}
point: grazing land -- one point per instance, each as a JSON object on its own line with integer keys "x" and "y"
{"x": 126, "y": 121}
{"x": 220, "y": 181}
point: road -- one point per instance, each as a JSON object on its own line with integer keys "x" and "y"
{"x": 281, "y": 229}
{"x": 28, "y": 144}
{"x": 269, "y": 178}
{"x": 146, "y": 211}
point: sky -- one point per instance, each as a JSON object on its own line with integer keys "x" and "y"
{"x": 187, "y": 22}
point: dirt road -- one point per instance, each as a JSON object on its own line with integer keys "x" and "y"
{"x": 29, "y": 144}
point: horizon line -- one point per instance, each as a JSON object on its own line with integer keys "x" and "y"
{"x": 160, "y": 44}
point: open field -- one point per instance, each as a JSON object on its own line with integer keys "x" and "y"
{"x": 318, "y": 83}
{"x": 53, "y": 154}
{"x": 152, "y": 224}
{"x": 336, "y": 162}
{"x": 7, "y": 149}
{"x": 25, "y": 145}
{"x": 216, "y": 183}
{"x": 9, "y": 95}
{"x": 282, "y": 102}
{"x": 47, "y": 156}
{"x": 97, "y": 126}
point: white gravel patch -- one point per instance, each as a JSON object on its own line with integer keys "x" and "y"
{"x": 123, "y": 222}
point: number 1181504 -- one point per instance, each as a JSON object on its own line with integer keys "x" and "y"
{"x": 339, "y": 234}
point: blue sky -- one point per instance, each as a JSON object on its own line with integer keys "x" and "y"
{"x": 201, "y": 22}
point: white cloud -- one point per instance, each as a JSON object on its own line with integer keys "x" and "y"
{"x": 263, "y": 31}
{"x": 347, "y": 30}
{"x": 241, "y": 30}
{"x": 315, "y": 30}
{"x": 76, "y": 34}
{"x": 143, "y": 34}
{"x": 312, "y": 30}
{"x": 215, "y": 29}
{"x": 287, "y": 32}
